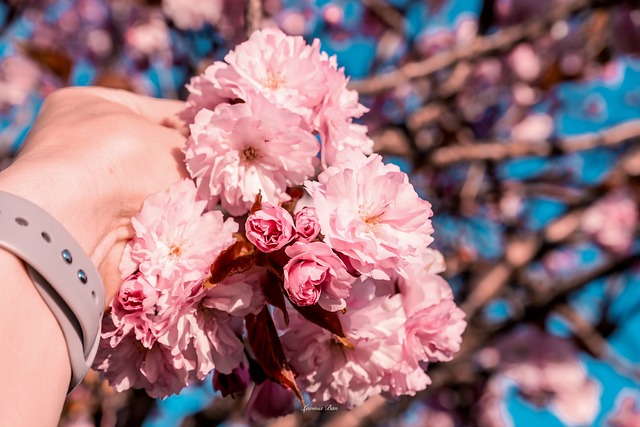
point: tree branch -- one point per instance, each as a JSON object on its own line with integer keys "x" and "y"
{"x": 496, "y": 150}
{"x": 252, "y": 16}
{"x": 481, "y": 46}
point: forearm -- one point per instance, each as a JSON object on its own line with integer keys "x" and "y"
{"x": 34, "y": 364}
{"x": 35, "y": 370}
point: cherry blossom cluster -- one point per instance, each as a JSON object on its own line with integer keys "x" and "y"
{"x": 291, "y": 250}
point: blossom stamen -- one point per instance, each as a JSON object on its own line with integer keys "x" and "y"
{"x": 275, "y": 80}
{"x": 249, "y": 154}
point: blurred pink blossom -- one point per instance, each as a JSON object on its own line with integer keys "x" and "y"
{"x": 535, "y": 127}
{"x": 149, "y": 38}
{"x": 547, "y": 371}
{"x": 524, "y": 62}
{"x": 626, "y": 415}
{"x": 192, "y": 14}
{"x": 612, "y": 221}
{"x": 19, "y": 77}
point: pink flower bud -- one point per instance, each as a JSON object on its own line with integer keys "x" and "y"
{"x": 235, "y": 382}
{"x": 307, "y": 224}
{"x": 135, "y": 295}
{"x": 269, "y": 400}
{"x": 270, "y": 228}
{"x": 315, "y": 274}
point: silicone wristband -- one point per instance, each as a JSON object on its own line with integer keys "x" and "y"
{"x": 64, "y": 275}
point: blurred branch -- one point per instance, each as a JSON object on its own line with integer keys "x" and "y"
{"x": 518, "y": 252}
{"x": 591, "y": 339}
{"x": 584, "y": 331}
{"x": 387, "y": 14}
{"x": 501, "y": 40}
{"x": 252, "y": 16}
{"x": 506, "y": 150}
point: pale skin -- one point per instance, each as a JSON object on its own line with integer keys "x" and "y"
{"x": 92, "y": 157}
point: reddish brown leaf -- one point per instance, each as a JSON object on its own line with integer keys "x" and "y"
{"x": 257, "y": 205}
{"x": 273, "y": 290}
{"x": 267, "y": 349}
{"x": 59, "y": 63}
{"x": 296, "y": 194}
{"x": 235, "y": 259}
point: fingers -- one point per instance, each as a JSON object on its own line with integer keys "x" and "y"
{"x": 153, "y": 109}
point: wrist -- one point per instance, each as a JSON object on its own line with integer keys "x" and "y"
{"x": 34, "y": 363}
{"x": 54, "y": 189}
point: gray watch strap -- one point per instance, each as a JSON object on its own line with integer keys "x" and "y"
{"x": 65, "y": 276}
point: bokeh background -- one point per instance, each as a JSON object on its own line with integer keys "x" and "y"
{"x": 519, "y": 120}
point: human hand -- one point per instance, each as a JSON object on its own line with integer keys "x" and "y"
{"x": 91, "y": 158}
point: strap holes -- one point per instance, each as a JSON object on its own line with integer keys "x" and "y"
{"x": 46, "y": 237}
{"x": 21, "y": 221}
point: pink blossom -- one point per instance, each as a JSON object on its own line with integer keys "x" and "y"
{"x": 284, "y": 69}
{"x": 307, "y": 225}
{"x": 295, "y": 77}
{"x": 204, "y": 93}
{"x": 211, "y": 329}
{"x": 238, "y": 151}
{"x": 270, "y": 228}
{"x": 174, "y": 239}
{"x": 140, "y": 306}
{"x": 330, "y": 372}
{"x": 433, "y": 261}
{"x": 435, "y": 324}
{"x": 315, "y": 274}
{"x": 192, "y": 14}
{"x": 369, "y": 212}
{"x": 129, "y": 365}
{"x": 612, "y": 221}
{"x": 334, "y": 123}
